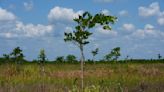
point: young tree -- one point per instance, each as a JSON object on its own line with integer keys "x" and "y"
{"x": 71, "y": 58}
{"x": 108, "y": 57}
{"x": 60, "y": 59}
{"x": 116, "y": 53}
{"x": 80, "y": 36}
{"x": 17, "y": 55}
{"x": 94, "y": 53}
{"x": 113, "y": 55}
{"x": 42, "y": 59}
{"x": 42, "y": 56}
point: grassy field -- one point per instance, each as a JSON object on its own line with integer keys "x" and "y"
{"x": 129, "y": 77}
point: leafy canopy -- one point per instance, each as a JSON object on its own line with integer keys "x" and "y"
{"x": 114, "y": 54}
{"x": 85, "y": 22}
{"x": 42, "y": 56}
{"x": 17, "y": 54}
{"x": 60, "y": 59}
{"x": 71, "y": 58}
{"x": 95, "y": 52}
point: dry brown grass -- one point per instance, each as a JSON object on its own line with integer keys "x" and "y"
{"x": 61, "y": 78}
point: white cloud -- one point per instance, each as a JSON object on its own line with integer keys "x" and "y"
{"x": 10, "y": 27}
{"x": 160, "y": 21}
{"x": 152, "y": 10}
{"x": 149, "y": 27}
{"x": 161, "y": 14}
{"x": 123, "y": 13}
{"x": 148, "y": 31}
{"x": 31, "y": 30}
{"x": 105, "y": 11}
{"x": 18, "y": 29}
{"x": 8, "y": 35}
{"x": 139, "y": 34}
{"x": 63, "y": 14}
{"x": 28, "y": 5}
{"x": 105, "y": 33}
{"x": 6, "y": 15}
{"x": 128, "y": 27}
{"x": 68, "y": 29}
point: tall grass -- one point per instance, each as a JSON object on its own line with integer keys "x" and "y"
{"x": 97, "y": 78}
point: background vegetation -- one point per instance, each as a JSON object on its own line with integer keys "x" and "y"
{"x": 68, "y": 74}
{"x": 63, "y": 74}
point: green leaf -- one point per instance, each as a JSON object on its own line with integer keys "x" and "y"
{"x": 85, "y": 13}
{"x": 76, "y": 20}
{"x": 77, "y": 27}
{"x": 106, "y": 27}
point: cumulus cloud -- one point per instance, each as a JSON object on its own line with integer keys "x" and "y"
{"x": 18, "y": 29}
{"x": 149, "y": 27}
{"x": 8, "y": 35}
{"x": 139, "y": 34}
{"x": 128, "y": 27}
{"x": 68, "y": 29}
{"x": 149, "y": 31}
{"x": 105, "y": 11}
{"x": 63, "y": 14}
{"x": 100, "y": 32}
{"x": 152, "y": 10}
{"x": 123, "y": 13}
{"x": 10, "y": 27}
{"x": 28, "y": 5}
{"x": 31, "y": 30}
{"x": 161, "y": 14}
{"x": 6, "y": 15}
{"x": 160, "y": 21}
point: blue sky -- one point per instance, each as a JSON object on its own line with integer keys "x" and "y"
{"x": 37, "y": 24}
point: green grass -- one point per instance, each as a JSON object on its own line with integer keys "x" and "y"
{"x": 116, "y": 77}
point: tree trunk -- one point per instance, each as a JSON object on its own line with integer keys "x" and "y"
{"x": 93, "y": 59}
{"x": 82, "y": 67}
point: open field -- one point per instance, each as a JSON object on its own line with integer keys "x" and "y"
{"x": 127, "y": 77}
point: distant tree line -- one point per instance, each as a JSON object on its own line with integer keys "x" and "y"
{"x": 17, "y": 57}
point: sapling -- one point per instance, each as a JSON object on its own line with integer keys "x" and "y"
{"x": 80, "y": 36}
{"x": 42, "y": 59}
{"x": 94, "y": 53}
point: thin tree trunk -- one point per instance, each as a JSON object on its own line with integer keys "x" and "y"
{"x": 93, "y": 59}
{"x": 42, "y": 74}
{"x": 82, "y": 67}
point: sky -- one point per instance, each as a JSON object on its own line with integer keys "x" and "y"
{"x": 40, "y": 24}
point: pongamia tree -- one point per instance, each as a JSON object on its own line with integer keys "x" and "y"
{"x": 116, "y": 53}
{"x": 108, "y": 57}
{"x": 42, "y": 56}
{"x": 71, "y": 59}
{"x": 113, "y": 55}
{"x": 60, "y": 59}
{"x": 94, "y": 53}
{"x": 80, "y": 36}
{"x": 42, "y": 59}
{"x": 17, "y": 55}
